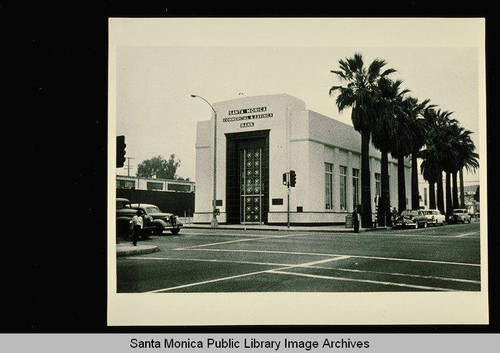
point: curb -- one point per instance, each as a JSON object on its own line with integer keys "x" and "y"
{"x": 130, "y": 250}
{"x": 292, "y": 229}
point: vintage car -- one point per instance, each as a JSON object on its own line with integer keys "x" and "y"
{"x": 434, "y": 217}
{"x": 459, "y": 215}
{"x": 411, "y": 219}
{"x": 124, "y": 214}
{"x": 158, "y": 221}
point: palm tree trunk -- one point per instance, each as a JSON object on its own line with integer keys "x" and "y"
{"x": 455, "y": 190}
{"x": 415, "y": 199}
{"x": 449, "y": 205}
{"x": 432, "y": 196}
{"x": 462, "y": 194}
{"x": 384, "y": 212}
{"x": 440, "y": 200}
{"x": 366, "y": 199}
{"x": 401, "y": 184}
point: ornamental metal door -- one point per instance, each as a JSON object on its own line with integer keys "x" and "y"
{"x": 251, "y": 188}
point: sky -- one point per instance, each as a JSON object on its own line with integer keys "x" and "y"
{"x": 157, "y": 115}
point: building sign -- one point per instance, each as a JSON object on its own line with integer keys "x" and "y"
{"x": 246, "y": 124}
{"x": 247, "y": 111}
{"x": 249, "y": 115}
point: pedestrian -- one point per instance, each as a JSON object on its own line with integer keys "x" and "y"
{"x": 394, "y": 215}
{"x": 137, "y": 226}
{"x": 355, "y": 220}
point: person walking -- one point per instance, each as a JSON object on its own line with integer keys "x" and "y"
{"x": 355, "y": 220}
{"x": 137, "y": 226}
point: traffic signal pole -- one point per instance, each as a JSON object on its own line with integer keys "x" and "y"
{"x": 288, "y": 207}
{"x": 289, "y": 180}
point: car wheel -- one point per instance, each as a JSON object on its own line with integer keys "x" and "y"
{"x": 175, "y": 231}
{"x": 158, "y": 230}
{"x": 145, "y": 235}
{"x": 425, "y": 224}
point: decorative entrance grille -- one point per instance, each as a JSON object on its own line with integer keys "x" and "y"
{"x": 251, "y": 188}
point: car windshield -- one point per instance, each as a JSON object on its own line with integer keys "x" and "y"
{"x": 430, "y": 212}
{"x": 152, "y": 209}
{"x": 409, "y": 213}
{"x": 122, "y": 204}
{"x": 458, "y": 211}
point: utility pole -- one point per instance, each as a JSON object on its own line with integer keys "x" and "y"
{"x": 128, "y": 165}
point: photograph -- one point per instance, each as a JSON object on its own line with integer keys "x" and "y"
{"x": 297, "y": 171}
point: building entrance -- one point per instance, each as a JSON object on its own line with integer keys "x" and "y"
{"x": 251, "y": 188}
{"x": 247, "y": 171}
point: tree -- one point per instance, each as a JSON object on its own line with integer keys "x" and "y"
{"x": 158, "y": 167}
{"x": 358, "y": 93}
{"x": 435, "y": 154}
{"x": 415, "y": 111}
{"x": 465, "y": 158}
{"x": 402, "y": 146}
{"x": 383, "y": 136}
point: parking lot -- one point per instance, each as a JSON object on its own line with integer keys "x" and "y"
{"x": 235, "y": 260}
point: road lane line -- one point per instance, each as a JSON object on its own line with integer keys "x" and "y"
{"x": 311, "y": 265}
{"x": 465, "y": 234}
{"x": 281, "y": 272}
{"x": 239, "y": 241}
{"x": 405, "y": 275}
{"x": 210, "y": 260}
{"x": 243, "y": 275}
{"x": 335, "y": 255}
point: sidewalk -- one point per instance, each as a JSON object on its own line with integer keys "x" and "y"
{"x": 329, "y": 228}
{"x": 128, "y": 249}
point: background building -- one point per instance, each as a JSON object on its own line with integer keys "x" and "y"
{"x": 260, "y": 138}
{"x": 175, "y": 196}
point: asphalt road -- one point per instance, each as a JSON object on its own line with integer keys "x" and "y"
{"x": 204, "y": 260}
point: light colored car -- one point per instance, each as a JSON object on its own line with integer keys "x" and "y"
{"x": 460, "y": 215}
{"x": 411, "y": 218}
{"x": 434, "y": 217}
{"x": 159, "y": 221}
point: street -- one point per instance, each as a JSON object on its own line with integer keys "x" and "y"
{"x": 443, "y": 258}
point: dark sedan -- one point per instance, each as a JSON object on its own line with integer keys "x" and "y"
{"x": 411, "y": 219}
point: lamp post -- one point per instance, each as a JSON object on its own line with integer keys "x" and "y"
{"x": 213, "y": 222}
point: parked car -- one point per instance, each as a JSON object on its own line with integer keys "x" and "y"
{"x": 434, "y": 217}
{"x": 411, "y": 218}
{"x": 459, "y": 215}
{"x": 158, "y": 221}
{"x": 124, "y": 214}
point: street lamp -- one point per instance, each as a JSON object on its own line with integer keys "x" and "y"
{"x": 213, "y": 222}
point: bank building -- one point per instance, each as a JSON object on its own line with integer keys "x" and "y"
{"x": 259, "y": 139}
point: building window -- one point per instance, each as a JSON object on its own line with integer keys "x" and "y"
{"x": 328, "y": 186}
{"x": 343, "y": 187}
{"x": 355, "y": 187}
{"x": 125, "y": 184}
{"x": 378, "y": 185}
{"x": 154, "y": 186}
{"x": 179, "y": 187}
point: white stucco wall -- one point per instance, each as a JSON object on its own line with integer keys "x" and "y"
{"x": 300, "y": 140}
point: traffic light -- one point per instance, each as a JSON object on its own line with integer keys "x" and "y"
{"x": 120, "y": 151}
{"x": 285, "y": 179}
{"x": 293, "y": 178}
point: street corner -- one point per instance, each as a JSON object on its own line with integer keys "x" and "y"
{"x": 131, "y": 250}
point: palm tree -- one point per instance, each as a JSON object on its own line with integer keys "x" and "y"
{"x": 430, "y": 167}
{"x": 358, "y": 93}
{"x": 437, "y": 149}
{"x": 465, "y": 158}
{"x": 383, "y": 136}
{"x": 415, "y": 111}
{"x": 402, "y": 147}
{"x": 449, "y": 156}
